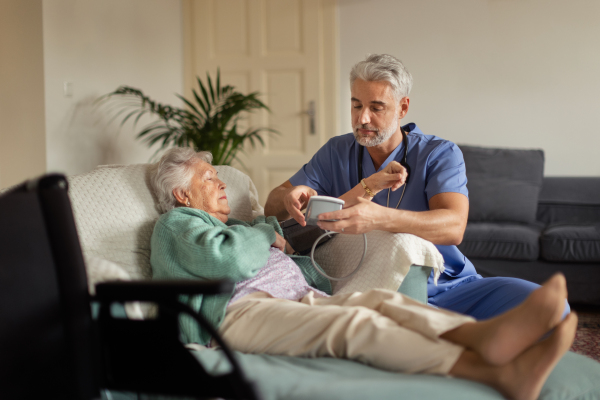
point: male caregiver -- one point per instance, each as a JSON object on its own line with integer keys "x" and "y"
{"x": 397, "y": 179}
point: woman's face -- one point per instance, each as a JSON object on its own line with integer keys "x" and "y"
{"x": 207, "y": 192}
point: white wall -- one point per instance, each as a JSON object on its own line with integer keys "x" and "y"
{"x": 491, "y": 72}
{"x": 98, "y": 46}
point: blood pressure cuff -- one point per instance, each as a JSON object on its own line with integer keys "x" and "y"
{"x": 302, "y": 238}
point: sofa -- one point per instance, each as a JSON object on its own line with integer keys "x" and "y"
{"x": 522, "y": 224}
{"x": 115, "y": 211}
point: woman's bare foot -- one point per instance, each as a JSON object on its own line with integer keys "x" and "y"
{"x": 501, "y": 339}
{"x": 523, "y": 378}
{"x": 519, "y": 328}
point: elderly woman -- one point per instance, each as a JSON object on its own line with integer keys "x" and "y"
{"x": 281, "y": 305}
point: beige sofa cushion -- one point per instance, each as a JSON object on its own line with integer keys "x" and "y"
{"x": 115, "y": 211}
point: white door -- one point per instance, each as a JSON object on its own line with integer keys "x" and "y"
{"x": 286, "y": 50}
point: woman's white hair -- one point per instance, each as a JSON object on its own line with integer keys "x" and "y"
{"x": 384, "y": 67}
{"x": 174, "y": 171}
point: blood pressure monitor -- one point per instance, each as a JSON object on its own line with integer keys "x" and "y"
{"x": 321, "y": 204}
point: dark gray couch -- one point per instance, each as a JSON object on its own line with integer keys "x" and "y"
{"x": 528, "y": 226}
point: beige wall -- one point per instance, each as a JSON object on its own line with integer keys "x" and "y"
{"x": 22, "y": 138}
{"x": 487, "y": 72}
{"x": 98, "y": 46}
{"x": 491, "y": 72}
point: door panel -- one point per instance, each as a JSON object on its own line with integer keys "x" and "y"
{"x": 285, "y": 97}
{"x": 286, "y": 50}
{"x": 229, "y": 28}
{"x": 283, "y": 27}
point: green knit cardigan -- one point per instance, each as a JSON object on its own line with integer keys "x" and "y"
{"x": 190, "y": 244}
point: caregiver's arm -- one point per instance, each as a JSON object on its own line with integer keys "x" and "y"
{"x": 443, "y": 224}
{"x": 288, "y": 201}
{"x": 393, "y": 176}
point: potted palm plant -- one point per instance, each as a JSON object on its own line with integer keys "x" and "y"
{"x": 210, "y": 121}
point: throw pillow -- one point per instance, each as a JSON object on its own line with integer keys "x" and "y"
{"x": 504, "y": 184}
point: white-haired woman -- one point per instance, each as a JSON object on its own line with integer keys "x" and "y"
{"x": 281, "y": 305}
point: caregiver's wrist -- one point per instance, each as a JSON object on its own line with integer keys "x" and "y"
{"x": 372, "y": 184}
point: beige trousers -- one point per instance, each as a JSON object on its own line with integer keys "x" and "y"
{"x": 381, "y": 328}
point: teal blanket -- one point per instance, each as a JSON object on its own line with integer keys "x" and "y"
{"x": 290, "y": 378}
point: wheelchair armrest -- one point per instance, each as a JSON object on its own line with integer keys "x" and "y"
{"x": 125, "y": 341}
{"x": 157, "y": 291}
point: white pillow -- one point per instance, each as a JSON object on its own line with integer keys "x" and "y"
{"x": 100, "y": 270}
{"x": 388, "y": 260}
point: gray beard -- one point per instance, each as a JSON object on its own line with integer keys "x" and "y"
{"x": 381, "y": 136}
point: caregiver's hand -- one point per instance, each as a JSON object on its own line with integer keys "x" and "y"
{"x": 296, "y": 200}
{"x": 362, "y": 217}
{"x": 392, "y": 176}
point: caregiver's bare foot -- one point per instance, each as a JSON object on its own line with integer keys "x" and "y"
{"x": 519, "y": 328}
{"x": 524, "y": 377}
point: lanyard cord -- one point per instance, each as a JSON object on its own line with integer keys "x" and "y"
{"x": 401, "y": 196}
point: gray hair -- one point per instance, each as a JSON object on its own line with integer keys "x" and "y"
{"x": 174, "y": 171}
{"x": 383, "y": 67}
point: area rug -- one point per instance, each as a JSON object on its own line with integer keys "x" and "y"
{"x": 587, "y": 338}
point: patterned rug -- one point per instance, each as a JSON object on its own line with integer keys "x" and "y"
{"x": 587, "y": 338}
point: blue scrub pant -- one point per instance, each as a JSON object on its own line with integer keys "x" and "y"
{"x": 487, "y": 297}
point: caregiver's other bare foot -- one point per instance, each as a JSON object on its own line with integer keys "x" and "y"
{"x": 514, "y": 331}
{"x": 524, "y": 377}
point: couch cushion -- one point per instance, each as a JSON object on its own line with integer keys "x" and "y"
{"x": 575, "y": 377}
{"x": 573, "y": 200}
{"x": 99, "y": 270}
{"x": 501, "y": 241}
{"x": 571, "y": 243}
{"x": 115, "y": 211}
{"x": 504, "y": 184}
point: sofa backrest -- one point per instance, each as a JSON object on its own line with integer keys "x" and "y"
{"x": 115, "y": 211}
{"x": 569, "y": 200}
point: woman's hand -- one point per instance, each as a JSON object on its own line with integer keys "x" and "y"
{"x": 279, "y": 242}
{"x": 289, "y": 249}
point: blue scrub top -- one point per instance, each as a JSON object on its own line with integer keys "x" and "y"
{"x": 437, "y": 166}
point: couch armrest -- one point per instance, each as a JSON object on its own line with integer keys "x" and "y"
{"x": 415, "y": 283}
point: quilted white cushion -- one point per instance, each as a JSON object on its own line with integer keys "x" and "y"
{"x": 115, "y": 211}
{"x": 389, "y": 257}
{"x": 101, "y": 270}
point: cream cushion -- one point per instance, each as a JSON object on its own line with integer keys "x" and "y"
{"x": 100, "y": 270}
{"x": 388, "y": 260}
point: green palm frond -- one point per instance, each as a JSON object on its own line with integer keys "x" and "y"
{"x": 209, "y": 123}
